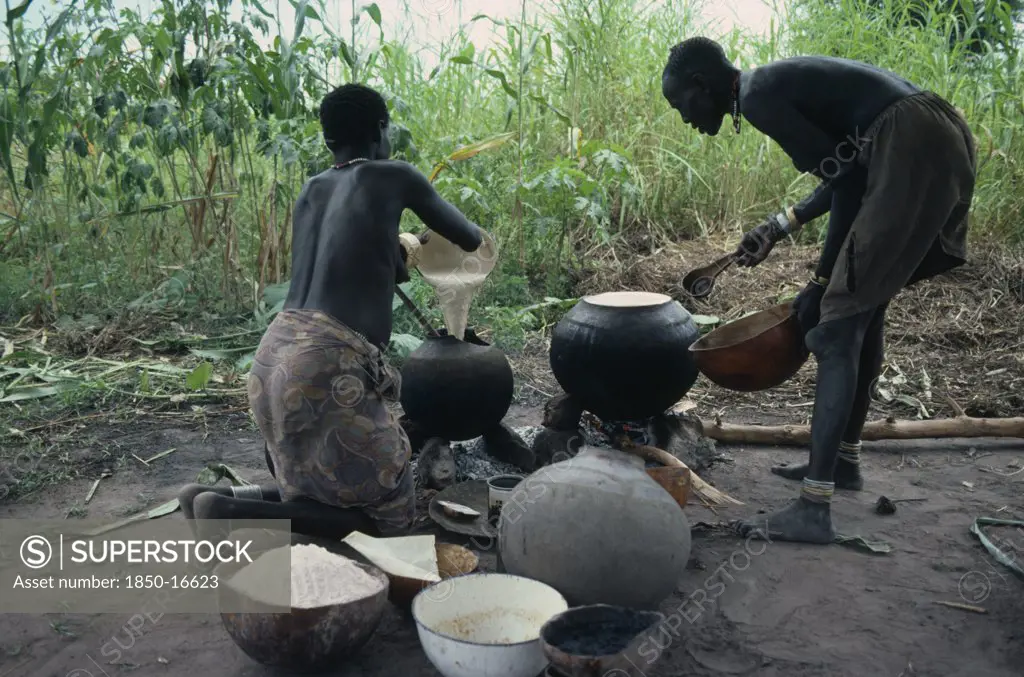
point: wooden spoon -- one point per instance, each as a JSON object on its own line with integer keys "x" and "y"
{"x": 700, "y": 281}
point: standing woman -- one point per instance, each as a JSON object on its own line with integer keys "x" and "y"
{"x": 897, "y": 171}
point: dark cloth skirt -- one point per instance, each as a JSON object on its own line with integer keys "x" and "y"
{"x": 920, "y": 163}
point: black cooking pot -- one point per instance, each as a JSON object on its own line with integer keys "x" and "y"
{"x": 625, "y": 355}
{"x": 456, "y": 389}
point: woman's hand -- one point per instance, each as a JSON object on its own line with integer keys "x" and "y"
{"x": 807, "y": 305}
{"x": 402, "y": 270}
{"x": 758, "y": 242}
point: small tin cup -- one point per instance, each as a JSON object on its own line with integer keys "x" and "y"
{"x": 499, "y": 489}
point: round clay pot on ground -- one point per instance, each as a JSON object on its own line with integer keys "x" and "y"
{"x": 598, "y": 529}
{"x": 625, "y": 355}
{"x": 456, "y": 390}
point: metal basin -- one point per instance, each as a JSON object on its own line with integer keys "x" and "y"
{"x": 485, "y": 625}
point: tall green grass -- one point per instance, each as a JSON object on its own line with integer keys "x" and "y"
{"x": 136, "y": 173}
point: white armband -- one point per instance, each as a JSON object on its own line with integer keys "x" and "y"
{"x": 783, "y": 221}
{"x": 788, "y": 220}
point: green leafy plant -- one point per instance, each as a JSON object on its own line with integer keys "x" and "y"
{"x": 134, "y": 148}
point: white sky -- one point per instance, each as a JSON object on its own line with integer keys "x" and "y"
{"x": 435, "y": 20}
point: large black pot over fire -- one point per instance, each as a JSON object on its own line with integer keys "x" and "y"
{"x": 625, "y": 355}
{"x": 456, "y": 390}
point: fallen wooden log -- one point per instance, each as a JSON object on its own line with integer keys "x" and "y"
{"x": 888, "y": 429}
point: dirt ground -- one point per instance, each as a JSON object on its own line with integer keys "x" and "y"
{"x": 741, "y": 609}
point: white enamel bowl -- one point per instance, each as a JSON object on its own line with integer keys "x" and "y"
{"x": 486, "y": 625}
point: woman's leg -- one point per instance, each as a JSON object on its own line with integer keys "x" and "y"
{"x": 188, "y": 494}
{"x": 307, "y": 517}
{"x": 837, "y": 345}
{"x": 847, "y": 473}
{"x": 846, "y": 203}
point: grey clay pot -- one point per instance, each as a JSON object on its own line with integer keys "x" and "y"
{"x": 598, "y": 529}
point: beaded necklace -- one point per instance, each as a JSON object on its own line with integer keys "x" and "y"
{"x": 342, "y": 165}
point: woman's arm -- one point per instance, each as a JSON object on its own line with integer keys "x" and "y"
{"x": 437, "y": 213}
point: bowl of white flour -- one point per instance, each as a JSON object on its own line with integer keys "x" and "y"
{"x": 308, "y": 608}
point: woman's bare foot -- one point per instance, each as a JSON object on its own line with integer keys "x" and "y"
{"x": 802, "y": 521}
{"x": 847, "y": 475}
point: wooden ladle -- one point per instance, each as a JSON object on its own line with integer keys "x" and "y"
{"x": 699, "y": 282}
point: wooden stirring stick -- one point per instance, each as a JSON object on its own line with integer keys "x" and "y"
{"x": 416, "y": 311}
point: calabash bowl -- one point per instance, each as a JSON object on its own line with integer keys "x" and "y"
{"x": 304, "y": 640}
{"x": 603, "y": 640}
{"x": 452, "y": 560}
{"x": 757, "y": 352}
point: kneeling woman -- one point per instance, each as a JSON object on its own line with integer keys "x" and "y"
{"x": 320, "y": 387}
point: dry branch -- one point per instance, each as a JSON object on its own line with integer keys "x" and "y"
{"x": 701, "y": 488}
{"x": 889, "y": 429}
{"x": 964, "y": 607}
